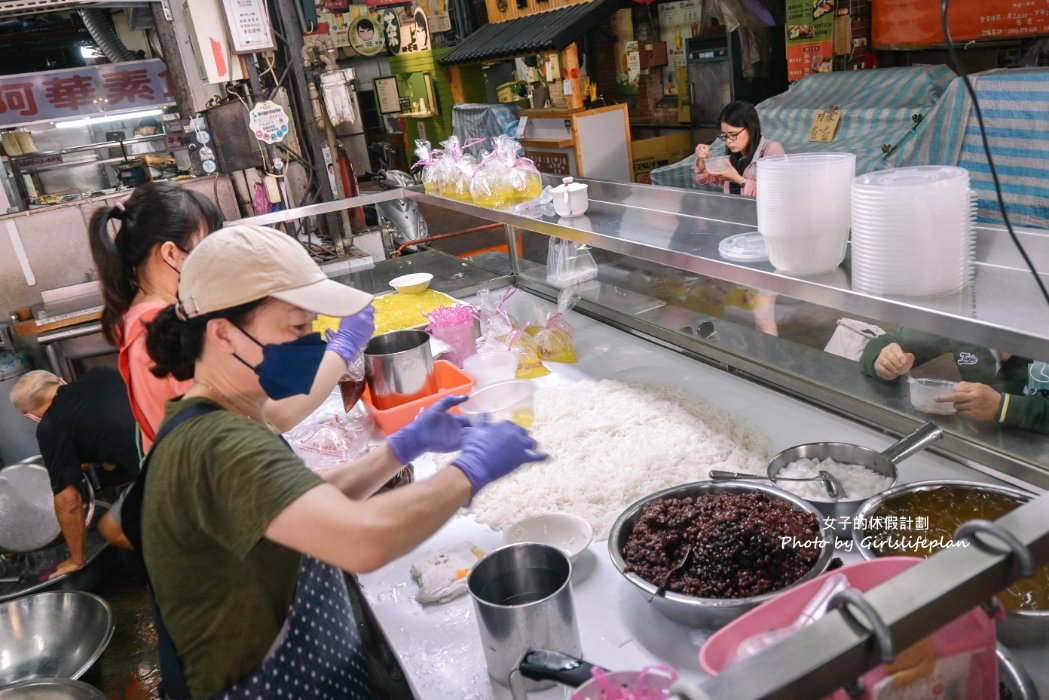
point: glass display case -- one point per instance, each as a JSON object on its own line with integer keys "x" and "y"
{"x": 661, "y": 285}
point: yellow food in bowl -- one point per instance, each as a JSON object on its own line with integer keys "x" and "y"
{"x": 395, "y": 312}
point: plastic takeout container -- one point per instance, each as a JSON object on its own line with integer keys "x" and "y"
{"x": 717, "y": 164}
{"x": 450, "y": 380}
{"x": 925, "y": 391}
{"x": 512, "y": 400}
{"x": 491, "y": 367}
{"x": 415, "y": 283}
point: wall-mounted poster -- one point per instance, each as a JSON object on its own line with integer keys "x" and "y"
{"x": 366, "y": 36}
{"x": 388, "y": 94}
{"x": 420, "y": 32}
{"x": 810, "y": 35}
{"x": 437, "y": 17}
{"x": 391, "y": 31}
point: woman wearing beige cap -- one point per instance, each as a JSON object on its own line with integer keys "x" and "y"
{"x": 243, "y": 544}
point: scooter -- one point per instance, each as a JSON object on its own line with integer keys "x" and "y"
{"x": 402, "y": 214}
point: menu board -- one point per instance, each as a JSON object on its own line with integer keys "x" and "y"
{"x": 387, "y": 94}
{"x": 914, "y": 23}
{"x": 810, "y": 35}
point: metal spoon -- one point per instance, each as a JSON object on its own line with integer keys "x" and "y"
{"x": 835, "y": 489}
{"x": 666, "y": 579}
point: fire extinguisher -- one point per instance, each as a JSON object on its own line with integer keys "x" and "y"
{"x": 349, "y": 186}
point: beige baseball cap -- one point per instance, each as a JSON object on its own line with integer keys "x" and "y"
{"x": 242, "y": 263}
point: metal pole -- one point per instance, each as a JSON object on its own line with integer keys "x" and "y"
{"x": 298, "y": 86}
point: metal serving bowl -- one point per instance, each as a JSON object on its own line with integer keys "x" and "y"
{"x": 51, "y": 689}
{"x": 709, "y": 613}
{"x": 57, "y": 634}
{"x": 1020, "y": 627}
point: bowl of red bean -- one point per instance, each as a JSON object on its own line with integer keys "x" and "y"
{"x": 705, "y": 553}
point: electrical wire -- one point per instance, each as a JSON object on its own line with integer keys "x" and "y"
{"x": 960, "y": 68}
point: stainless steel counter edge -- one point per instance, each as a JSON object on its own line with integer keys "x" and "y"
{"x": 682, "y": 229}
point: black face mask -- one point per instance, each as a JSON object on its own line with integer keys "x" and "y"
{"x": 287, "y": 369}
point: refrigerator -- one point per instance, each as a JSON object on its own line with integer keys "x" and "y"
{"x": 715, "y": 78}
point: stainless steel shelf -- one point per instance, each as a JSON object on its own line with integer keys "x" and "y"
{"x": 1002, "y": 309}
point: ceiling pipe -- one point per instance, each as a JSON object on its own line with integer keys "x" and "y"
{"x": 101, "y": 29}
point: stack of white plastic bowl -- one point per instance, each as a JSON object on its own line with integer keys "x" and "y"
{"x": 912, "y": 231}
{"x": 803, "y": 210}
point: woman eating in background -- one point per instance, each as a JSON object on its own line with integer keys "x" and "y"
{"x": 243, "y": 544}
{"x": 139, "y": 269}
{"x": 741, "y": 132}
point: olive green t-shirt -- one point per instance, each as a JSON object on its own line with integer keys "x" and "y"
{"x": 214, "y": 486}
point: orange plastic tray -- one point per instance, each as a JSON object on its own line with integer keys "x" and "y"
{"x": 450, "y": 380}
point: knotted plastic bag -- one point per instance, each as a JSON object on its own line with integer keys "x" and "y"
{"x": 554, "y": 339}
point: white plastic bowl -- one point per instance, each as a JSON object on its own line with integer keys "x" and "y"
{"x": 569, "y": 533}
{"x": 491, "y": 366}
{"x": 415, "y": 283}
{"x": 925, "y": 391}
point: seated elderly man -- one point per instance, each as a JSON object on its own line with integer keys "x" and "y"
{"x": 86, "y": 422}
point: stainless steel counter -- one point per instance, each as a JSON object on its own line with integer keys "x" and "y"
{"x": 439, "y": 646}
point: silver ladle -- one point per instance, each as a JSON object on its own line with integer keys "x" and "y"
{"x": 834, "y": 487}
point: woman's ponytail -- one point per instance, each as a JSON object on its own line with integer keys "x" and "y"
{"x": 116, "y": 279}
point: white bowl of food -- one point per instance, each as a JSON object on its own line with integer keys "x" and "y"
{"x": 415, "y": 283}
{"x": 569, "y": 533}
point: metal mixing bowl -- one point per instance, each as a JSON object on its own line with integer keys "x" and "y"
{"x": 51, "y": 689}
{"x": 1020, "y": 627}
{"x": 709, "y": 613}
{"x": 58, "y": 634}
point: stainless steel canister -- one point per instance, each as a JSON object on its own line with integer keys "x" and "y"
{"x": 523, "y": 597}
{"x": 399, "y": 368}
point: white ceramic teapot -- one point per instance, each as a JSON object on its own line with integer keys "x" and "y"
{"x": 570, "y": 198}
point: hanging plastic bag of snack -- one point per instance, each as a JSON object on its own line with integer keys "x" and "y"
{"x": 569, "y": 263}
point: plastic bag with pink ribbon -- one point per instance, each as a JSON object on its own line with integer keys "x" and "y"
{"x": 553, "y": 339}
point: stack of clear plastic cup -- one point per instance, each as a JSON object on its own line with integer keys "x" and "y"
{"x": 912, "y": 231}
{"x": 804, "y": 210}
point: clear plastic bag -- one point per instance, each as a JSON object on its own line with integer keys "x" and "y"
{"x": 429, "y": 162}
{"x": 496, "y": 322}
{"x": 569, "y": 263}
{"x": 554, "y": 338}
{"x": 330, "y": 437}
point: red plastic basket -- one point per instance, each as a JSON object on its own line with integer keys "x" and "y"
{"x": 450, "y": 380}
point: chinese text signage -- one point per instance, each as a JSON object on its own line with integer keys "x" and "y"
{"x": 912, "y": 23}
{"x": 81, "y": 92}
{"x": 810, "y": 35}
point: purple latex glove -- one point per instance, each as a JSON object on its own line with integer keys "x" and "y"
{"x": 494, "y": 450}
{"x": 353, "y": 334}
{"x": 433, "y": 430}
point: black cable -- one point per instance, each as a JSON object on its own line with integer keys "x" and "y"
{"x": 958, "y": 66}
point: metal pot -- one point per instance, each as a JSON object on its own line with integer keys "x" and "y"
{"x": 543, "y": 664}
{"x": 27, "y": 511}
{"x": 1020, "y": 627}
{"x": 709, "y": 613}
{"x": 523, "y": 596}
{"x": 399, "y": 368}
{"x": 884, "y": 463}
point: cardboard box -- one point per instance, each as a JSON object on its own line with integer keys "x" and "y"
{"x": 649, "y": 154}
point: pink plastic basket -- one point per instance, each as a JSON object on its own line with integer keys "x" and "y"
{"x": 973, "y": 632}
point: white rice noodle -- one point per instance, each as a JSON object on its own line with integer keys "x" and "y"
{"x": 612, "y": 443}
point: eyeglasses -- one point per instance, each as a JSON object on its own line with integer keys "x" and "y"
{"x": 725, "y": 136}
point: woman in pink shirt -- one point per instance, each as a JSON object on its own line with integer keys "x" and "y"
{"x": 139, "y": 271}
{"x": 741, "y": 132}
